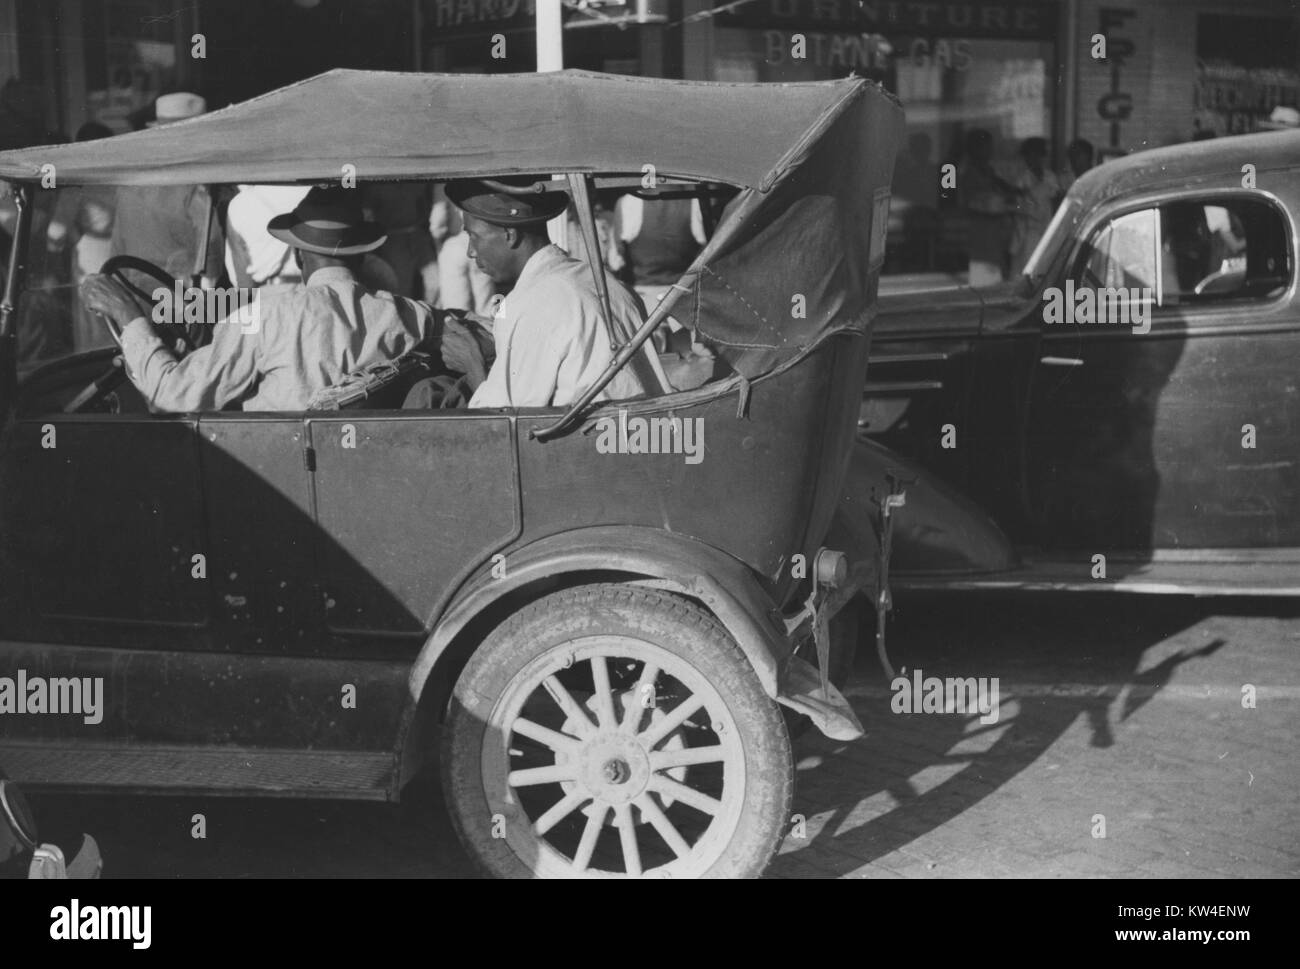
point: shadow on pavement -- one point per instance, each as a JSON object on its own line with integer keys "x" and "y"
{"x": 1075, "y": 654}
{"x": 152, "y": 837}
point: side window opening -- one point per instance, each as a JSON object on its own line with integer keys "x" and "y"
{"x": 1194, "y": 251}
{"x": 1123, "y": 253}
{"x": 1219, "y": 249}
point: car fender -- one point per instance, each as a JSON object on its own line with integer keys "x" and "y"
{"x": 937, "y": 531}
{"x": 726, "y": 587}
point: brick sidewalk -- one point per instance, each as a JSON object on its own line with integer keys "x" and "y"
{"x": 1132, "y": 712}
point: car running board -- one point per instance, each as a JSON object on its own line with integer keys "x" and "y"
{"x": 235, "y": 771}
{"x": 1276, "y": 577}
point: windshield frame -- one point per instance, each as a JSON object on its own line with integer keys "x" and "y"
{"x": 1049, "y": 245}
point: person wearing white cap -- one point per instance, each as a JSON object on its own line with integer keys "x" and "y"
{"x": 1283, "y": 118}
{"x": 170, "y": 108}
{"x": 165, "y": 223}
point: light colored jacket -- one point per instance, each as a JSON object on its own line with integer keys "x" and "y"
{"x": 550, "y": 341}
{"x": 293, "y": 341}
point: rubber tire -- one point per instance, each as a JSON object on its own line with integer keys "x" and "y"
{"x": 670, "y": 622}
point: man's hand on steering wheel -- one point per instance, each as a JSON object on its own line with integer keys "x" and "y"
{"x": 117, "y": 301}
{"x": 179, "y": 337}
{"x": 111, "y": 299}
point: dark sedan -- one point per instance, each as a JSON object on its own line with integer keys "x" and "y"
{"x": 1126, "y": 414}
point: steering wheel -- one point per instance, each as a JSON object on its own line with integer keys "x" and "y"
{"x": 180, "y": 338}
{"x": 175, "y": 334}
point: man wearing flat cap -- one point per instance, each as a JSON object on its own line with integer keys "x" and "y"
{"x": 307, "y": 336}
{"x": 550, "y": 341}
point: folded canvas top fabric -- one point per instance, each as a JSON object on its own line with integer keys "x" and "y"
{"x": 795, "y": 256}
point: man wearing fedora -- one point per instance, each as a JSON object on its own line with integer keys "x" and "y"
{"x": 550, "y": 342}
{"x": 165, "y": 223}
{"x": 306, "y": 336}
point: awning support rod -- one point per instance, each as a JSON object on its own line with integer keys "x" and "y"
{"x": 580, "y": 188}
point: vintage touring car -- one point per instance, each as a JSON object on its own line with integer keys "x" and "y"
{"x": 1156, "y": 452}
{"x": 598, "y": 641}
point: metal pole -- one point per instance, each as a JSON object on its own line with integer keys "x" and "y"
{"x": 550, "y": 57}
{"x": 550, "y": 36}
{"x": 17, "y": 254}
{"x": 9, "y": 301}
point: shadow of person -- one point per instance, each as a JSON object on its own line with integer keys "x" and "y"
{"x": 1143, "y": 686}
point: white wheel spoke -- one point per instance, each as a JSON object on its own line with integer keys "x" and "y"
{"x": 658, "y": 731}
{"x": 636, "y": 706}
{"x": 605, "y": 715}
{"x": 560, "y": 810}
{"x": 670, "y": 788}
{"x": 660, "y": 821}
{"x": 627, "y": 835}
{"x": 565, "y": 701}
{"x": 668, "y": 759}
{"x": 545, "y": 735}
{"x": 595, "y": 822}
{"x": 542, "y": 775}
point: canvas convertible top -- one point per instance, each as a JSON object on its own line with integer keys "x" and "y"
{"x": 794, "y": 256}
{"x": 391, "y": 125}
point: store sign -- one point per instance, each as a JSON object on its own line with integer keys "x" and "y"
{"x": 1017, "y": 19}
{"x": 1235, "y": 99}
{"x": 862, "y": 52}
{"x": 1116, "y": 105}
{"x": 616, "y": 13}
{"x": 449, "y": 19}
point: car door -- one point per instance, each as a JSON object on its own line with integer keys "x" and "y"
{"x": 259, "y": 533}
{"x": 407, "y": 504}
{"x": 917, "y": 396}
{"x": 1183, "y": 436}
{"x": 101, "y": 515}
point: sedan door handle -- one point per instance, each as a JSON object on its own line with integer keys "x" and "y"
{"x": 1062, "y": 361}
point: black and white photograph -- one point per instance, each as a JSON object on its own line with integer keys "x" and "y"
{"x": 782, "y": 439}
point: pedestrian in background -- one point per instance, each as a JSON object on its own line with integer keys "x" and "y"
{"x": 404, "y": 209}
{"x": 1037, "y": 192}
{"x": 254, "y": 257}
{"x": 1079, "y": 157}
{"x": 165, "y": 224}
{"x": 986, "y": 199}
{"x": 81, "y": 226}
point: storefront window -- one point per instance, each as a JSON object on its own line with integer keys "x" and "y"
{"x": 959, "y": 66}
{"x": 130, "y": 58}
{"x": 1245, "y": 67}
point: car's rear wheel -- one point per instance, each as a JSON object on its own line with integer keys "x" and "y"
{"x": 615, "y": 731}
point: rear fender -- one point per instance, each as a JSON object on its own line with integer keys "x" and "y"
{"x": 726, "y": 587}
{"x": 938, "y": 530}
{"x": 723, "y": 585}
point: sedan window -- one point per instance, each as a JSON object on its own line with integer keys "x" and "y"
{"x": 1221, "y": 249}
{"x": 1192, "y": 251}
{"x": 1124, "y": 253}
